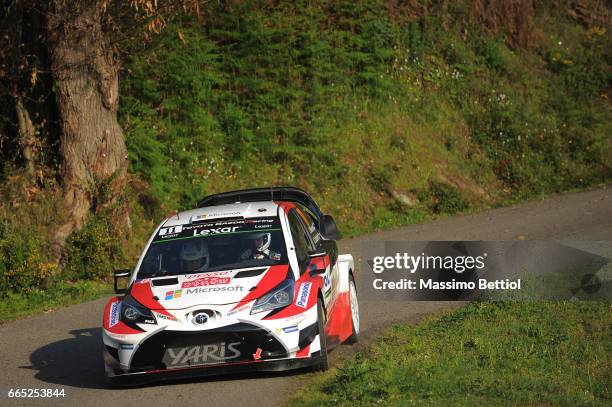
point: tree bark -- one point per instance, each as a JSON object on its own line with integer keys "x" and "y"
{"x": 27, "y": 137}
{"x": 85, "y": 69}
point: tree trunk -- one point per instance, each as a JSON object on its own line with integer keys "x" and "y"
{"x": 27, "y": 137}
{"x": 85, "y": 70}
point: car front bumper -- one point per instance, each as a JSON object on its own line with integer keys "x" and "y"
{"x": 235, "y": 348}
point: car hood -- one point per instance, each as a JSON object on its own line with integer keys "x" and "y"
{"x": 214, "y": 288}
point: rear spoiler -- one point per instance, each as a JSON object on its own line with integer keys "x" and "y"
{"x": 290, "y": 194}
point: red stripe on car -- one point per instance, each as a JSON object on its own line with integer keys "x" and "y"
{"x": 271, "y": 279}
{"x": 141, "y": 291}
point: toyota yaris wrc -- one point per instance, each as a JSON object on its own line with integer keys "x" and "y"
{"x": 249, "y": 281}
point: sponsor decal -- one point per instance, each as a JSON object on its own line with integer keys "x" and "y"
{"x": 162, "y": 316}
{"x": 303, "y": 293}
{"x": 171, "y": 230}
{"x": 257, "y": 354}
{"x": 215, "y": 231}
{"x": 126, "y": 346}
{"x": 253, "y": 221}
{"x": 206, "y": 281}
{"x": 326, "y": 282}
{"x": 299, "y": 318}
{"x": 170, "y": 295}
{"x": 201, "y": 354}
{"x": 207, "y": 227}
{"x": 223, "y": 214}
{"x": 114, "y": 314}
{"x": 210, "y": 274}
{"x": 237, "y": 310}
{"x": 218, "y": 222}
{"x": 290, "y": 329}
{"x": 202, "y": 290}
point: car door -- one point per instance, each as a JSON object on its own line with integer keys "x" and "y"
{"x": 329, "y": 261}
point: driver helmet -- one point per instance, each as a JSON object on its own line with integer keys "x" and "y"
{"x": 260, "y": 241}
{"x": 194, "y": 255}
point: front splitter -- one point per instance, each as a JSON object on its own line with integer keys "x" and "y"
{"x": 139, "y": 378}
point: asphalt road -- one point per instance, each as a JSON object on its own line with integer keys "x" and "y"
{"x": 62, "y": 349}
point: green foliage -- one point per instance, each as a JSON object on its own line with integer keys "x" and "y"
{"x": 443, "y": 198}
{"x": 93, "y": 252}
{"x": 22, "y": 264}
{"x": 487, "y": 353}
{"x": 280, "y": 94}
{"x": 224, "y": 100}
{"x": 494, "y": 54}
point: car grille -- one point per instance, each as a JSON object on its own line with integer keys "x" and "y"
{"x": 179, "y": 349}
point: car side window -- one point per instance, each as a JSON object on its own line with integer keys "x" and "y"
{"x": 306, "y": 217}
{"x": 300, "y": 240}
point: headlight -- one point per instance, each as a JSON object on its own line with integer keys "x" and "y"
{"x": 133, "y": 313}
{"x": 280, "y": 296}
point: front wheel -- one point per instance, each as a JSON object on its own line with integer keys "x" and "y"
{"x": 323, "y": 362}
{"x": 354, "y": 311}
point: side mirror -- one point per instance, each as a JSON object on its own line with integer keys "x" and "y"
{"x": 316, "y": 269}
{"x": 329, "y": 230}
{"x": 121, "y": 274}
{"x": 317, "y": 253}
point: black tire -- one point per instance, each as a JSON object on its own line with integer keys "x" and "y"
{"x": 355, "y": 335}
{"x": 323, "y": 364}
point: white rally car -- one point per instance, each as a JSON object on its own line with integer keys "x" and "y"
{"x": 249, "y": 281}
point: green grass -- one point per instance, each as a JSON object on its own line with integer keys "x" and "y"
{"x": 490, "y": 354}
{"x": 14, "y": 306}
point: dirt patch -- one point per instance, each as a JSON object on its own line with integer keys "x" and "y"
{"x": 514, "y": 19}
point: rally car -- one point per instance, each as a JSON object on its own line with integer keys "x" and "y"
{"x": 250, "y": 280}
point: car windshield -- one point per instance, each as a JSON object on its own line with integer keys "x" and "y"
{"x": 214, "y": 246}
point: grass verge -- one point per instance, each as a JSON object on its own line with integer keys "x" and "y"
{"x": 489, "y": 353}
{"x": 15, "y": 306}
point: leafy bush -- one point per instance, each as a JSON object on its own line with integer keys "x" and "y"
{"x": 443, "y": 198}
{"x": 93, "y": 252}
{"x": 22, "y": 265}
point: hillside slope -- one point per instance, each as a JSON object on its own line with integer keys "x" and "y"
{"x": 388, "y": 112}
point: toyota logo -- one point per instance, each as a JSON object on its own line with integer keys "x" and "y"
{"x": 200, "y": 318}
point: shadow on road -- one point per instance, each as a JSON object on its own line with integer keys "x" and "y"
{"x": 248, "y": 376}
{"x": 76, "y": 361}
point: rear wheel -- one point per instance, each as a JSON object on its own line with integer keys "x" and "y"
{"x": 354, "y": 311}
{"x": 323, "y": 362}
